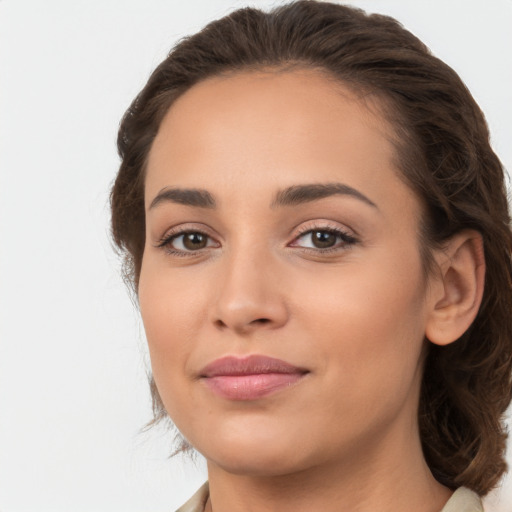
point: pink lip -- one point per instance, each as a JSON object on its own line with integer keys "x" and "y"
{"x": 249, "y": 378}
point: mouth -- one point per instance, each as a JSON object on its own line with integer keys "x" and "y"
{"x": 250, "y": 378}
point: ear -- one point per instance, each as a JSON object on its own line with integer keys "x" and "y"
{"x": 456, "y": 291}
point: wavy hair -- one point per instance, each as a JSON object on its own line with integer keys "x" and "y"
{"x": 443, "y": 154}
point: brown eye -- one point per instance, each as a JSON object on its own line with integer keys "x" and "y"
{"x": 323, "y": 239}
{"x": 194, "y": 241}
{"x": 187, "y": 242}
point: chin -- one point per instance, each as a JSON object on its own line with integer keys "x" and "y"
{"x": 260, "y": 462}
{"x": 251, "y": 453}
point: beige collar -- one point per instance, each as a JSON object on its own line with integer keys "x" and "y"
{"x": 462, "y": 500}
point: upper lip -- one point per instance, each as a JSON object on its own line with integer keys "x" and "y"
{"x": 251, "y": 365}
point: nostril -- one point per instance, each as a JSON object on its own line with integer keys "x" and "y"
{"x": 240, "y": 322}
{"x": 220, "y": 324}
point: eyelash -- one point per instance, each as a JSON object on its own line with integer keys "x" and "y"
{"x": 165, "y": 242}
{"x": 347, "y": 240}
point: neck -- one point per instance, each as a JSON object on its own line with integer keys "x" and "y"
{"x": 387, "y": 475}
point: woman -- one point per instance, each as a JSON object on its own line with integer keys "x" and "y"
{"x": 318, "y": 234}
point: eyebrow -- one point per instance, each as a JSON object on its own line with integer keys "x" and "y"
{"x": 291, "y": 196}
{"x": 299, "y": 194}
{"x": 187, "y": 196}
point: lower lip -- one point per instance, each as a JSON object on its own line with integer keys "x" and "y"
{"x": 250, "y": 387}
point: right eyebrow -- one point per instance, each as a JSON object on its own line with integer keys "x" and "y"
{"x": 187, "y": 196}
{"x": 298, "y": 194}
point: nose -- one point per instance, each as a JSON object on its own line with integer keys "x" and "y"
{"x": 250, "y": 295}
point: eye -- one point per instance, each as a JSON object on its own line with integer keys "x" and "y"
{"x": 186, "y": 242}
{"x": 324, "y": 239}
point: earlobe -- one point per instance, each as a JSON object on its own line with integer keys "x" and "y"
{"x": 457, "y": 293}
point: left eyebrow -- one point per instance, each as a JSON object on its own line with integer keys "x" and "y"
{"x": 298, "y": 194}
{"x": 186, "y": 196}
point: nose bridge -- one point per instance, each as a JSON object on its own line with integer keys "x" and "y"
{"x": 249, "y": 291}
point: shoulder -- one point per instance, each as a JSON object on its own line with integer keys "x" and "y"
{"x": 464, "y": 500}
{"x": 198, "y": 500}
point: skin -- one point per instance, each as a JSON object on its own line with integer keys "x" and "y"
{"x": 345, "y": 437}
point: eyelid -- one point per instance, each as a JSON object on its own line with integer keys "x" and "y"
{"x": 164, "y": 242}
{"x": 324, "y": 225}
{"x": 348, "y": 237}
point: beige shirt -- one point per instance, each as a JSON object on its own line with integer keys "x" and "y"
{"x": 462, "y": 500}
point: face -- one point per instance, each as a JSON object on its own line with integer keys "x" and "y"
{"x": 281, "y": 289}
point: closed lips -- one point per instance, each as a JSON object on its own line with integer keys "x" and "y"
{"x": 250, "y": 378}
{"x": 252, "y": 365}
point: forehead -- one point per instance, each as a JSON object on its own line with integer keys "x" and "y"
{"x": 268, "y": 129}
{"x": 289, "y": 104}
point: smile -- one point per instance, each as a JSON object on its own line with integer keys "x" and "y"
{"x": 249, "y": 378}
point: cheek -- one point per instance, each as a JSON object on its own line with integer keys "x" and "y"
{"x": 170, "y": 310}
{"x": 370, "y": 330}
{"x": 370, "y": 320}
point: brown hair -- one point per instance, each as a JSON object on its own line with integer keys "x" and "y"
{"x": 443, "y": 153}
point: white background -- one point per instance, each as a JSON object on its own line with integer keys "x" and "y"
{"x": 73, "y": 391}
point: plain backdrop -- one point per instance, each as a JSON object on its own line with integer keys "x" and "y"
{"x": 73, "y": 364}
